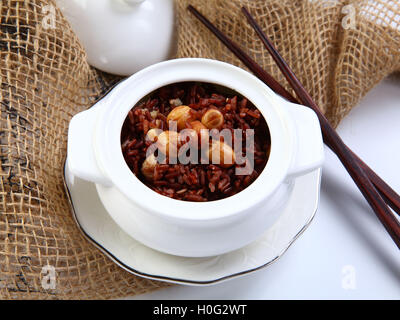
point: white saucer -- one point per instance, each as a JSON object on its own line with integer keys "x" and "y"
{"x": 99, "y": 228}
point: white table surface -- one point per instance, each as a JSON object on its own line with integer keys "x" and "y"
{"x": 345, "y": 253}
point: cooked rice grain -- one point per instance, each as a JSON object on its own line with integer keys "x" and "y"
{"x": 193, "y": 182}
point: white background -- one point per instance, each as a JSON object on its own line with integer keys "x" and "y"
{"x": 345, "y": 235}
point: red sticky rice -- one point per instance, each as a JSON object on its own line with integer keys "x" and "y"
{"x": 193, "y": 182}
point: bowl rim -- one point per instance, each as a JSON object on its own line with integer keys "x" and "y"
{"x": 109, "y": 153}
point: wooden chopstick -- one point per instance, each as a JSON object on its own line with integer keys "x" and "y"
{"x": 334, "y": 141}
{"x": 244, "y": 57}
{"x": 389, "y": 195}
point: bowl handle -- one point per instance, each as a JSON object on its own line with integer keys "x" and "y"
{"x": 81, "y": 158}
{"x": 309, "y": 145}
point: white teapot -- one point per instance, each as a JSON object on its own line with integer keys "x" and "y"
{"x": 123, "y": 36}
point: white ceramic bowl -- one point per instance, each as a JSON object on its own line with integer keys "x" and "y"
{"x": 188, "y": 228}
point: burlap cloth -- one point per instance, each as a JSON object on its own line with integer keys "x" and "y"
{"x": 45, "y": 80}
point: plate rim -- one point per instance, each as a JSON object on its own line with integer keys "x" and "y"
{"x": 133, "y": 271}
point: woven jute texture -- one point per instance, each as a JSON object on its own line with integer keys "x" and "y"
{"x": 339, "y": 49}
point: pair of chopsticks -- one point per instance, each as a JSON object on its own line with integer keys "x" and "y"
{"x": 377, "y": 192}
